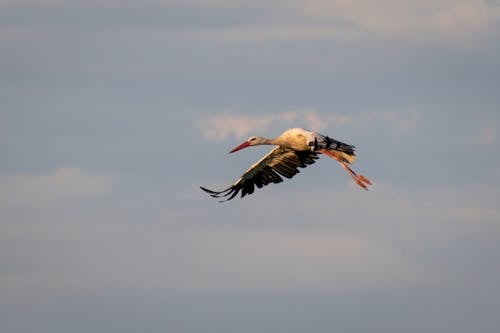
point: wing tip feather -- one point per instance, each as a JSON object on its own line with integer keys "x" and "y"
{"x": 230, "y": 191}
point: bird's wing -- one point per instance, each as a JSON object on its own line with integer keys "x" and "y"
{"x": 279, "y": 161}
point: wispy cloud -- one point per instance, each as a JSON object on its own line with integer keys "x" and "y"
{"x": 450, "y": 20}
{"x": 300, "y": 250}
{"x": 56, "y": 187}
{"x": 395, "y": 17}
{"x": 293, "y": 260}
{"x": 487, "y": 135}
{"x": 456, "y": 20}
{"x": 220, "y": 127}
{"x": 399, "y": 120}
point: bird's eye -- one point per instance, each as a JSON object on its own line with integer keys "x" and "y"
{"x": 252, "y": 139}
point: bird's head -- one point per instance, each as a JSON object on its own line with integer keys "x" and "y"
{"x": 252, "y": 141}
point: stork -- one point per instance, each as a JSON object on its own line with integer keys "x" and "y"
{"x": 295, "y": 148}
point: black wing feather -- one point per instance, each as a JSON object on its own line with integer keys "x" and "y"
{"x": 278, "y": 162}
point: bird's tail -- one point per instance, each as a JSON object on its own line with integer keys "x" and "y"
{"x": 340, "y": 151}
{"x": 337, "y": 150}
{"x": 341, "y": 156}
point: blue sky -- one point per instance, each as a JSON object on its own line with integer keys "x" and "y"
{"x": 112, "y": 113}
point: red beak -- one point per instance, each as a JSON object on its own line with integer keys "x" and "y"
{"x": 243, "y": 145}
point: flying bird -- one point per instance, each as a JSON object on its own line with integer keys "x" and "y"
{"x": 295, "y": 148}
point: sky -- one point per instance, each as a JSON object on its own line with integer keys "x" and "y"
{"x": 113, "y": 113}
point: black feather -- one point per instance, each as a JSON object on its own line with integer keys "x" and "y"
{"x": 279, "y": 161}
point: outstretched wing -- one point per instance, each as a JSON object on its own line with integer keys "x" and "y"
{"x": 269, "y": 169}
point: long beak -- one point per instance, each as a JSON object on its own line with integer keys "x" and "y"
{"x": 243, "y": 145}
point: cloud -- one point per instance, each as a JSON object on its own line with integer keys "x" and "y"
{"x": 62, "y": 182}
{"x": 308, "y": 20}
{"x": 159, "y": 257}
{"x": 19, "y": 192}
{"x": 450, "y": 20}
{"x": 400, "y": 120}
{"x": 337, "y": 239}
{"x": 292, "y": 260}
{"x": 326, "y": 243}
{"x": 487, "y": 135}
{"x": 265, "y": 32}
{"x": 302, "y": 20}
{"x": 220, "y": 127}
{"x": 395, "y": 17}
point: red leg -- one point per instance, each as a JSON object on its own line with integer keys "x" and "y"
{"x": 361, "y": 180}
